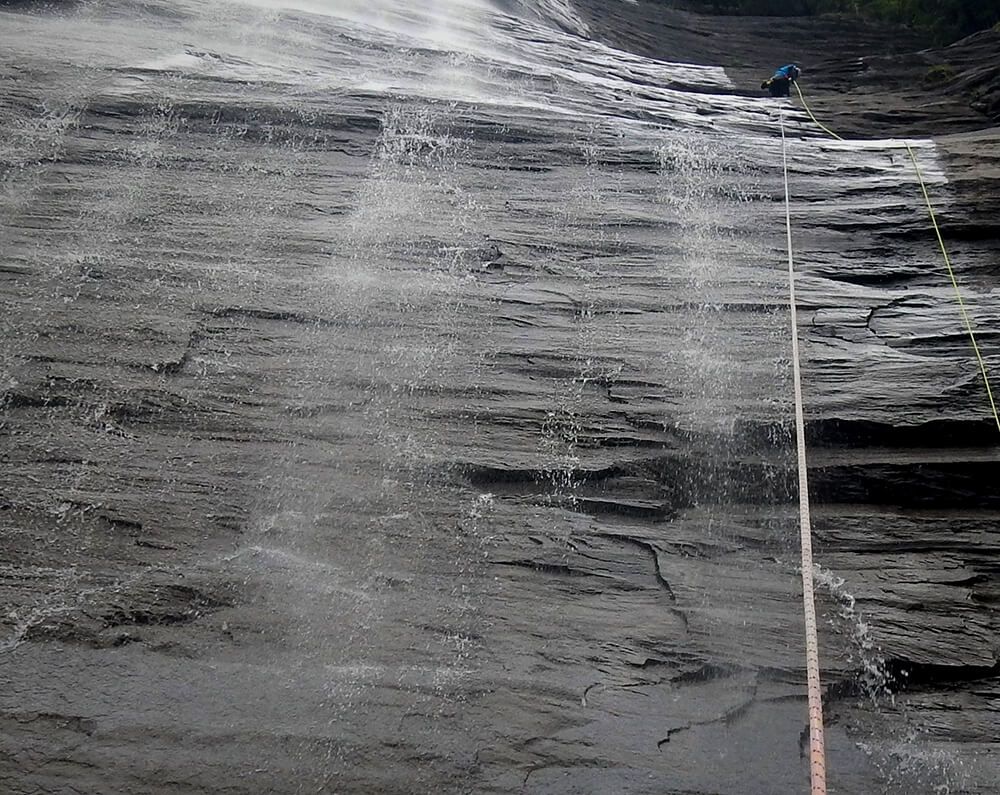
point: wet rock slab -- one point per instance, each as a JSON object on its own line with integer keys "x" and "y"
{"x": 366, "y": 443}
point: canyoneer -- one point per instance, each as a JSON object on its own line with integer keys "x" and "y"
{"x": 780, "y": 83}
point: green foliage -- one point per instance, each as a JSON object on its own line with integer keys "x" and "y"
{"x": 939, "y": 73}
{"x": 946, "y": 20}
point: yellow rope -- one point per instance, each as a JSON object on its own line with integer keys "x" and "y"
{"x": 944, "y": 252}
{"x": 954, "y": 283}
{"x": 815, "y": 120}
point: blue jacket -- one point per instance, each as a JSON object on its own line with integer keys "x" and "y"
{"x": 786, "y": 72}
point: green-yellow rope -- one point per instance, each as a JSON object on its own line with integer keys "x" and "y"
{"x": 815, "y": 120}
{"x": 954, "y": 283}
{"x": 944, "y": 252}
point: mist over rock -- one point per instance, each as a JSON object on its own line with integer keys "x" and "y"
{"x": 397, "y": 399}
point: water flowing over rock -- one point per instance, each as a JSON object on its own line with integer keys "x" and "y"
{"x": 397, "y": 399}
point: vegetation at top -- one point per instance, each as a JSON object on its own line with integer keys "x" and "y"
{"x": 945, "y": 20}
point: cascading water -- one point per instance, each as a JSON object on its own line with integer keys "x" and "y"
{"x": 396, "y": 401}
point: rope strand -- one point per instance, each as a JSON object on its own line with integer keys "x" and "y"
{"x": 817, "y": 751}
{"x": 815, "y": 120}
{"x": 954, "y": 283}
{"x": 944, "y": 252}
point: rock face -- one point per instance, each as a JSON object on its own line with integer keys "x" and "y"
{"x": 398, "y": 401}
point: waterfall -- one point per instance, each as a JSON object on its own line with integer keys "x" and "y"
{"x": 396, "y": 398}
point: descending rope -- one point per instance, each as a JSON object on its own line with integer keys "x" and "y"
{"x": 815, "y": 120}
{"x": 944, "y": 252}
{"x": 954, "y": 283}
{"x": 817, "y": 753}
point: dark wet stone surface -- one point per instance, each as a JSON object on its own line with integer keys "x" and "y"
{"x": 354, "y": 442}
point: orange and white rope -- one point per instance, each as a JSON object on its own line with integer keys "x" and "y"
{"x": 817, "y": 752}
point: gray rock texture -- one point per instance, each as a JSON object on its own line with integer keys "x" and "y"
{"x": 398, "y": 401}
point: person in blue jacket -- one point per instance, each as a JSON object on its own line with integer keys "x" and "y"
{"x": 780, "y": 83}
